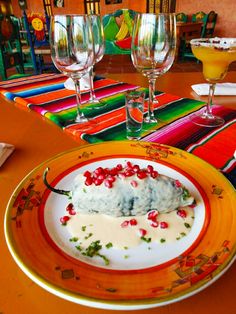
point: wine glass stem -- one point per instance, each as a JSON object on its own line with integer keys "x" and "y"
{"x": 80, "y": 116}
{"x": 152, "y": 83}
{"x": 92, "y": 93}
{"x": 210, "y": 99}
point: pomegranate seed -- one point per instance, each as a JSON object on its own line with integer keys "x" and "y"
{"x": 182, "y": 213}
{"x": 149, "y": 169}
{"x": 95, "y": 175}
{"x": 87, "y": 174}
{"x": 136, "y": 168}
{"x": 152, "y": 215}
{"x": 178, "y": 184}
{"x": 98, "y": 182}
{"x": 108, "y": 184}
{"x": 154, "y": 224}
{"x": 119, "y": 167}
{"x": 133, "y": 222}
{"x": 154, "y": 174}
{"x": 101, "y": 176}
{"x": 69, "y": 207}
{"x": 192, "y": 205}
{"x": 134, "y": 183}
{"x": 121, "y": 175}
{"x": 113, "y": 171}
{"x": 125, "y": 224}
{"x": 163, "y": 225}
{"x": 72, "y": 212}
{"x": 142, "y": 232}
{"x": 89, "y": 181}
{"x": 111, "y": 178}
{"x": 99, "y": 170}
{"x": 141, "y": 174}
{"x": 129, "y": 164}
{"x": 129, "y": 173}
{"x": 106, "y": 170}
{"x": 64, "y": 219}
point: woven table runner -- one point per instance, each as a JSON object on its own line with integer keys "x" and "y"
{"x": 46, "y": 95}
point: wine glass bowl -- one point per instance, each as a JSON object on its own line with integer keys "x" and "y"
{"x": 72, "y": 50}
{"x": 99, "y": 50}
{"x": 216, "y": 54}
{"x": 153, "y": 50}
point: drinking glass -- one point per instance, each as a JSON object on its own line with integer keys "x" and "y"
{"x": 216, "y": 55}
{"x": 153, "y": 50}
{"x": 134, "y": 103}
{"x": 99, "y": 49}
{"x": 72, "y": 50}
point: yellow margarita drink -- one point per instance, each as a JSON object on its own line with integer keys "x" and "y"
{"x": 216, "y": 56}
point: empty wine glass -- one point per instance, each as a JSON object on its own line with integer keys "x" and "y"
{"x": 72, "y": 50}
{"x": 216, "y": 55}
{"x": 99, "y": 49}
{"x": 153, "y": 50}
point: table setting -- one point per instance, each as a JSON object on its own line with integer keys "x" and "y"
{"x": 109, "y": 123}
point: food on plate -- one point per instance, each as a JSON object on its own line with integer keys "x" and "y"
{"x": 127, "y": 191}
{"x": 140, "y": 204}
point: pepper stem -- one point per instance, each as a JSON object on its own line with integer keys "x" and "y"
{"x": 63, "y": 192}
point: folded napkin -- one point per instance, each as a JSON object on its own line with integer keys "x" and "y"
{"x": 5, "y": 152}
{"x": 84, "y": 83}
{"x": 226, "y": 89}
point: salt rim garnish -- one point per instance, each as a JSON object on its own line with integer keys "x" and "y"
{"x": 221, "y": 43}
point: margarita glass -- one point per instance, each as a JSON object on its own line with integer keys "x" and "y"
{"x": 216, "y": 55}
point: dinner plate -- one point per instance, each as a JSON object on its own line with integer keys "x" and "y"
{"x": 154, "y": 274}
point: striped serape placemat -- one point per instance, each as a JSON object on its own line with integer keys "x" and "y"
{"x": 46, "y": 95}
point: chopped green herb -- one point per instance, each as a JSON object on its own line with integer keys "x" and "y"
{"x": 79, "y": 248}
{"x": 106, "y": 260}
{"x": 74, "y": 239}
{"x": 88, "y": 236}
{"x": 187, "y": 225}
{"x": 186, "y": 194}
{"x": 162, "y": 240}
{"x": 83, "y": 228}
{"x": 84, "y": 190}
{"x": 192, "y": 217}
{"x": 126, "y": 248}
{"x": 93, "y": 249}
{"x": 148, "y": 240}
{"x": 126, "y": 256}
{"x": 109, "y": 245}
{"x": 183, "y": 234}
{"x": 178, "y": 238}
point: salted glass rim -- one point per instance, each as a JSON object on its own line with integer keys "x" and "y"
{"x": 221, "y": 42}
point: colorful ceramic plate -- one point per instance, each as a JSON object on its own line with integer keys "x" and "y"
{"x": 161, "y": 275}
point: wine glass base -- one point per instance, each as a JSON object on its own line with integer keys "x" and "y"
{"x": 210, "y": 121}
{"x": 150, "y": 126}
{"x": 84, "y": 124}
{"x": 150, "y": 120}
{"x": 96, "y": 104}
{"x": 83, "y": 119}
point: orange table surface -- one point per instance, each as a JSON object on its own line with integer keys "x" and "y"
{"x": 36, "y": 140}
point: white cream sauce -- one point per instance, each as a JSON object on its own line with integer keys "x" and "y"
{"x": 88, "y": 228}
